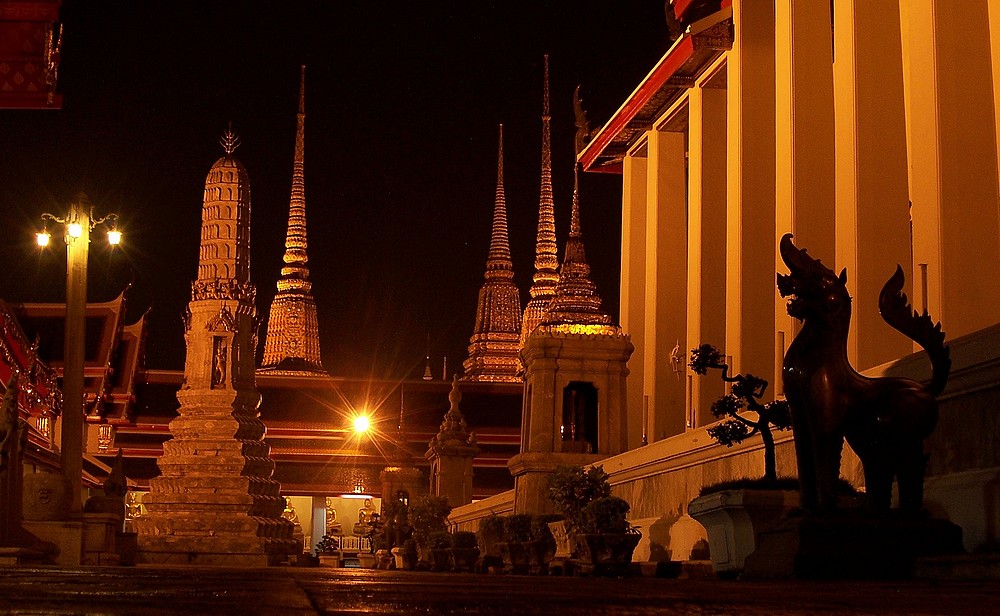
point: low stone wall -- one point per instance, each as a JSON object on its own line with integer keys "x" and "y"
{"x": 963, "y": 479}
{"x": 467, "y": 517}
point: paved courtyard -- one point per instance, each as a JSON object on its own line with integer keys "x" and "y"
{"x": 188, "y": 590}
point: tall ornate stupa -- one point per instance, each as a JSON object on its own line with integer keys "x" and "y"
{"x": 576, "y": 300}
{"x": 292, "y": 342}
{"x": 546, "y": 256}
{"x": 215, "y": 502}
{"x": 494, "y": 344}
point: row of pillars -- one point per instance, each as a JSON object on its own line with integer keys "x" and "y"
{"x": 873, "y": 141}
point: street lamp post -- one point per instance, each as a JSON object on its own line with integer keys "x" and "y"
{"x": 78, "y": 222}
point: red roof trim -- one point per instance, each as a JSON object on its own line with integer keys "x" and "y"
{"x": 680, "y": 53}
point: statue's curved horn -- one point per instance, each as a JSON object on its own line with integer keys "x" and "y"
{"x": 790, "y": 254}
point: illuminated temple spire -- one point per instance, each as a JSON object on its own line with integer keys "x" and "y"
{"x": 546, "y": 257}
{"x": 292, "y": 343}
{"x": 494, "y": 343}
{"x": 576, "y": 300}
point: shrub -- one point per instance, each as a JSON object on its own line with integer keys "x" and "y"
{"x": 439, "y": 540}
{"x": 604, "y": 516}
{"x": 571, "y": 489}
{"x": 427, "y": 516}
{"x": 540, "y": 528}
{"x": 463, "y": 539}
{"x": 517, "y": 528}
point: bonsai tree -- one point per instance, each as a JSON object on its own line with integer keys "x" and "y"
{"x": 572, "y": 489}
{"x": 428, "y": 515}
{"x": 327, "y": 545}
{"x": 747, "y": 391}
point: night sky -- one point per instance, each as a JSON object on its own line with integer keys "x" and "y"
{"x": 402, "y": 105}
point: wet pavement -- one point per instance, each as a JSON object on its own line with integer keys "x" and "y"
{"x": 291, "y": 590}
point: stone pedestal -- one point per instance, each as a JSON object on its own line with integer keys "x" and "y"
{"x": 531, "y": 471}
{"x": 215, "y": 503}
{"x": 849, "y": 545}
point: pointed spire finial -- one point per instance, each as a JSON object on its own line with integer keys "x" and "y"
{"x": 574, "y": 222}
{"x": 546, "y": 275}
{"x": 302, "y": 89}
{"x": 229, "y": 140}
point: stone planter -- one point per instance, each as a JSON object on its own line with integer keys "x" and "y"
{"x": 605, "y": 554}
{"x": 489, "y": 552}
{"x": 366, "y": 560}
{"x": 464, "y": 559}
{"x": 383, "y": 559}
{"x": 404, "y": 560}
{"x": 734, "y": 519}
{"x": 440, "y": 559}
{"x": 516, "y": 557}
{"x": 560, "y": 532}
{"x": 329, "y": 560}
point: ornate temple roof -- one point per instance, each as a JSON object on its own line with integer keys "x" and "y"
{"x": 546, "y": 253}
{"x": 292, "y": 343}
{"x": 576, "y": 300}
{"x": 494, "y": 343}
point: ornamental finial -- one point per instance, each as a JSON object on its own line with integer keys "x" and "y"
{"x": 230, "y": 140}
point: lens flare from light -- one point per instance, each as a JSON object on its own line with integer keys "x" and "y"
{"x": 362, "y": 424}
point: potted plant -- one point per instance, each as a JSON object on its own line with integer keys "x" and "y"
{"x": 734, "y": 513}
{"x": 516, "y": 546}
{"x": 543, "y": 543}
{"x": 428, "y": 515}
{"x": 464, "y": 552}
{"x": 489, "y": 536}
{"x": 439, "y": 546}
{"x": 391, "y": 536}
{"x": 599, "y": 531}
{"x": 328, "y": 551}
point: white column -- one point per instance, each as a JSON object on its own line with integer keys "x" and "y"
{"x": 750, "y": 240}
{"x": 873, "y": 230}
{"x": 954, "y": 190}
{"x": 633, "y": 284}
{"x": 706, "y": 240}
{"x": 666, "y": 280}
{"x": 994, "y": 23}
{"x": 805, "y": 197}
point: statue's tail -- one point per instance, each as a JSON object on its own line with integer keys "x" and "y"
{"x": 896, "y": 311}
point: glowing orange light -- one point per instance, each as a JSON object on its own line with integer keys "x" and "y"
{"x": 362, "y": 424}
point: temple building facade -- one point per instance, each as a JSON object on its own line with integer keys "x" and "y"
{"x": 868, "y": 130}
